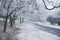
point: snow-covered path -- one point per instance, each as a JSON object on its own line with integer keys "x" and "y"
{"x": 30, "y": 32}
{"x": 54, "y": 31}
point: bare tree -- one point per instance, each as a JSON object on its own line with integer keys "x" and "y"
{"x": 10, "y": 7}
{"x": 7, "y": 6}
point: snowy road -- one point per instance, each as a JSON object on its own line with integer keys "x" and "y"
{"x": 51, "y": 30}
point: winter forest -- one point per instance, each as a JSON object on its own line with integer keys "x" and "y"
{"x": 29, "y": 19}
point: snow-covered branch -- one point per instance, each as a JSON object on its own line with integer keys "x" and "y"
{"x": 50, "y": 8}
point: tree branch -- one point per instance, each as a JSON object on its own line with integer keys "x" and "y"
{"x": 51, "y": 8}
{"x": 16, "y": 9}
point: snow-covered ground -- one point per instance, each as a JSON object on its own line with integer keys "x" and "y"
{"x": 29, "y": 32}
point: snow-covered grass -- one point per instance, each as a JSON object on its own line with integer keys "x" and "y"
{"x": 29, "y": 32}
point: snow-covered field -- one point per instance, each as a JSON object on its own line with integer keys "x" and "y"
{"x": 29, "y": 32}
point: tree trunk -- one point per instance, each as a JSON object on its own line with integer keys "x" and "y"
{"x": 20, "y": 20}
{"x": 11, "y": 24}
{"x": 11, "y": 21}
{"x": 5, "y": 25}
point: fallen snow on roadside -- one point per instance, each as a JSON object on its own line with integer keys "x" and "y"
{"x": 29, "y": 32}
